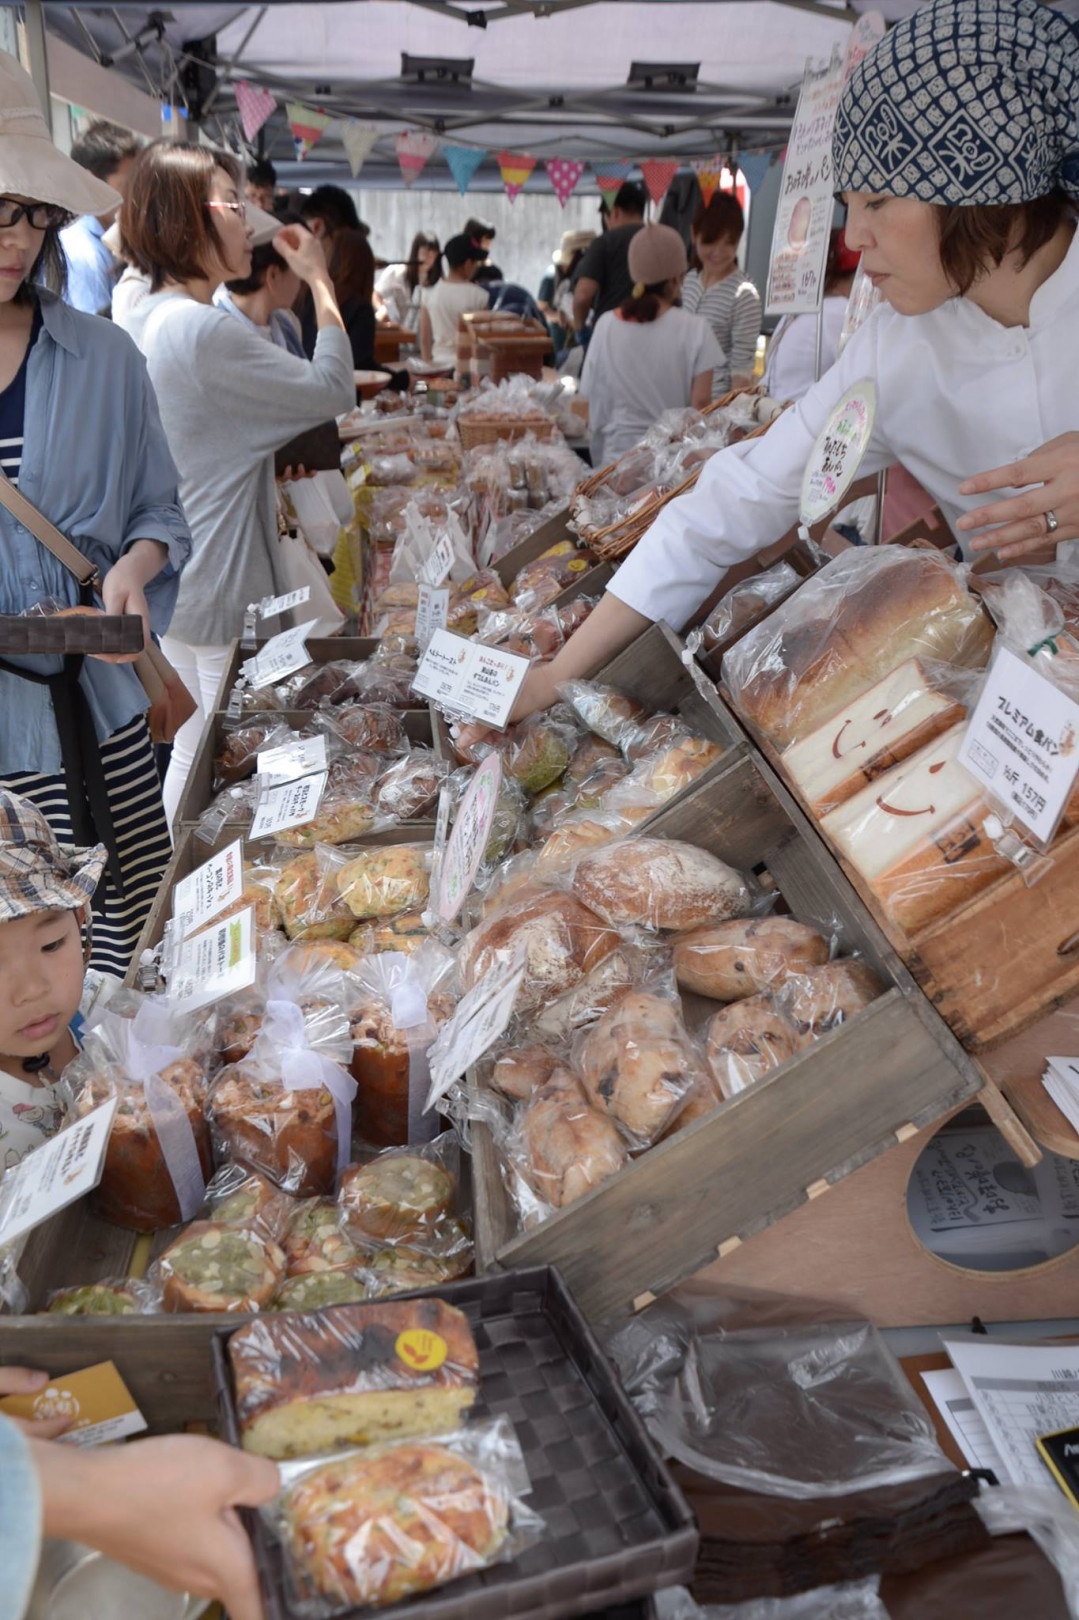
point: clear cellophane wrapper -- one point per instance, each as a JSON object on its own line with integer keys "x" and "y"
{"x": 548, "y": 575}
{"x": 212, "y": 1267}
{"x": 409, "y": 789}
{"x": 241, "y": 743}
{"x": 536, "y": 635}
{"x": 369, "y": 726}
{"x": 158, "y": 1155}
{"x": 108, "y": 1296}
{"x": 558, "y": 938}
{"x": 400, "y": 1003}
{"x": 379, "y": 881}
{"x": 346, "y": 810}
{"x": 405, "y": 1209}
{"x": 745, "y": 600}
{"x": 375, "y": 1526}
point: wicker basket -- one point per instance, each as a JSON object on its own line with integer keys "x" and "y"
{"x": 474, "y": 431}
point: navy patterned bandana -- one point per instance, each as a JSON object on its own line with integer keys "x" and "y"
{"x": 965, "y": 101}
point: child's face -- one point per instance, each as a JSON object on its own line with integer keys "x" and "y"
{"x": 41, "y": 974}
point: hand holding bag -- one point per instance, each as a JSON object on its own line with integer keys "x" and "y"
{"x": 170, "y": 703}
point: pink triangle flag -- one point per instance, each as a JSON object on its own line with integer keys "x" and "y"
{"x": 709, "y": 172}
{"x": 414, "y": 147}
{"x": 516, "y": 168}
{"x": 658, "y": 174}
{"x": 306, "y": 125}
{"x": 255, "y": 105}
{"x": 564, "y": 174}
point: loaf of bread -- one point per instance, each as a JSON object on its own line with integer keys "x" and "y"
{"x": 401, "y": 1270}
{"x": 594, "y": 995}
{"x": 219, "y": 1268}
{"x": 396, "y": 1198}
{"x": 917, "y": 835}
{"x": 659, "y": 883}
{"x": 562, "y": 940}
{"x": 384, "y": 881}
{"x": 372, "y": 727}
{"x": 864, "y": 614}
{"x": 309, "y": 908}
{"x": 410, "y": 787}
{"x": 590, "y": 755}
{"x": 391, "y": 1522}
{"x": 822, "y": 997}
{"x": 881, "y": 728}
{"x": 638, "y": 1064}
{"x": 136, "y": 1188}
{"x": 603, "y": 709}
{"x": 341, "y": 817}
{"x": 237, "y": 1196}
{"x": 382, "y": 1063}
{"x": 731, "y": 960}
{"x": 748, "y": 1039}
{"x": 290, "y": 1136}
{"x": 567, "y": 1146}
{"x": 522, "y": 1070}
{"x": 359, "y": 1375}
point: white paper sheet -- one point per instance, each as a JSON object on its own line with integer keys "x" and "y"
{"x": 965, "y": 1423}
{"x": 1021, "y": 1391}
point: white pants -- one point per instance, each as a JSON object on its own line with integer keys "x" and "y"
{"x": 201, "y": 669}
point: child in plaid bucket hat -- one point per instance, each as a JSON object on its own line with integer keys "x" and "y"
{"x": 45, "y": 894}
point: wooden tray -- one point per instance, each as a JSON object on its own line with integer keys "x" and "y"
{"x": 860, "y": 1090}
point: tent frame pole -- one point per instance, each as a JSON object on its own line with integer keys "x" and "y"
{"x": 34, "y": 18}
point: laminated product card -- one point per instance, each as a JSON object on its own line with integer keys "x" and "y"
{"x": 289, "y": 804}
{"x": 301, "y": 757}
{"x": 215, "y": 963}
{"x": 439, "y": 563}
{"x": 1022, "y": 743}
{"x": 480, "y": 1018}
{"x": 97, "y": 1400}
{"x": 465, "y": 678}
{"x": 432, "y": 610}
{"x": 55, "y": 1174}
{"x": 271, "y": 606}
{"x": 217, "y": 883}
{"x": 281, "y": 656}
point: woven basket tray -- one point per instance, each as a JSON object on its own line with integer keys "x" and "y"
{"x": 472, "y": 432}
{"x": 617, "y": 1527}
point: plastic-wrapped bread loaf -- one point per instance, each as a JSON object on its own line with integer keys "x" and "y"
{"x": 561, "y": 938}
{"x": 567, "y": 1146}
{"x": 731, "y": 960}
{"x": 637, "y": 1063}
{"x": 659, "y": 883}
{"x": 917, "y": 835}
{"x": 748, "y": 1039}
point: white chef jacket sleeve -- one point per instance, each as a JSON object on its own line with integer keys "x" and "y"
{"x": 746, "y": 498}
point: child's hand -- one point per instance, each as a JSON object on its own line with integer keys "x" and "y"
{"x": 27, "y": 1381}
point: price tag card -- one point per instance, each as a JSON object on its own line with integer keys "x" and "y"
{"x": 288, "y": 804}
{"x": 281, "y": 656}
{"x": 467, "y": 842}
{"x": 1022, "y": 743}
{"x": 432, "y": 610}
{"x": 96, "y": 1400}
{"x": 56, "y": 1173}
{"x": 215, "y": 963}
{"x": 837, "y": 455}
{"x": 271, "y": 606}
{"x": 439, "y": 563}
{"x": 480, "y": 1018}
{"x": 467, "y": 678}
{"x": 217, "y": 883}
{"x": 301, "y": 757}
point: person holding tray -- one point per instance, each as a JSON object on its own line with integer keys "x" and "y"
{"x": 956, "y": 151}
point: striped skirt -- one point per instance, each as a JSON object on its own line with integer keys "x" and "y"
{"x": 142, "y": 838}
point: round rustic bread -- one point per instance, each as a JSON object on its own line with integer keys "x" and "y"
{"x": 659, "y": 883}
{"x": 747, "y": 1039}
{"x": 731, "y": 960}
{"x": 637, "y": 1063}
{"x": 561, "y": 938}
{"x": 825, "y": 996}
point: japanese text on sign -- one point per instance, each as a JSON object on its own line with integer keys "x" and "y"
{"x": 55, "y": 1174}
{"x": 215, "y": 963}
{"x": 838, "y": 453}
{"x": 439, "y": 563}
{"x": 1022, "y": 743}
{"x": 281, "y": 656}
{"x": 209, "y": 889}
{"x": 465, "y": 678}
{"x": 806, "y": 201}
{"x": 432, "y": 610}
{"x": 460, "y": 862}
{"x": 271, "y": 606}
{"x": 288, "y": 804}
{"x": 480, "y": 1018}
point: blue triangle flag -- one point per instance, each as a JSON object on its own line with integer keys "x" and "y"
{"x": 463, "y": 162}
{"x": 754, "y": 165}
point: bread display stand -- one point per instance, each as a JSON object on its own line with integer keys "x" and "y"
{"x": 861, "y": 1090}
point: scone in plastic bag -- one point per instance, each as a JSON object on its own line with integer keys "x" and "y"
{"x": 402, "y": 1209}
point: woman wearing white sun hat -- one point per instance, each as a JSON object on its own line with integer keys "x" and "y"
{"x": 82, "y": 439}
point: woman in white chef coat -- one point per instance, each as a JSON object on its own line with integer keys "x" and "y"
{"x": 956, "y": 150}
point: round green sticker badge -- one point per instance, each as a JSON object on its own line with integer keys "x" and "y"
{"x": 837, "y": 455}
{"x": 468, "y": 840}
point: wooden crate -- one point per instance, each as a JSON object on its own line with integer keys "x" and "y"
{"x": 856, "y": 1093}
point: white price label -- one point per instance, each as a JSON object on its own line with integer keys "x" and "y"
{"x": 56, "y": 1173}
{"x": 1022, "y": 743}
{"x": 480, "y": 1018}
{"x": 464, "y": 852}
{"x": 271, "y": 606}
{"x": 216, "y": 963}
{"x": 288, "y": 760}
{"x": 432, "y": 610}
{"x": 838, "y": 453}
{"x": 288, "y": 804}
{"x": 467, "y": 678}
{"x": 281, "y": 656}
{"x": 439, "y": 563}
{"x": 217, "y": 883}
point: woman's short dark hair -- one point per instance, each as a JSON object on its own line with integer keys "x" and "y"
{"x": 722, "y": 218}
{"x": 423, "y": 239}
{"x": 352, "y": 267}
{"x": 646, "y": 308}
{"x": 976, "y": 239}
{"x": 165, "y": 224}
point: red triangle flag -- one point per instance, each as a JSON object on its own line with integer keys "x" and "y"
{"x": 658, "y": 174}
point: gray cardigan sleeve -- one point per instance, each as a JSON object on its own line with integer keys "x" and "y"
{"x": 276, "y": 394}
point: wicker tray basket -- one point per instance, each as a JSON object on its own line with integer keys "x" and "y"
{"x": 473, "y": 431}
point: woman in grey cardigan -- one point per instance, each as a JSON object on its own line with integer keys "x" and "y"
{"x": 228, "y": 399}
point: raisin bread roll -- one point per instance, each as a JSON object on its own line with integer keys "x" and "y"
{"x": 562, "y": 941}
{"x": 521, "y": 1071}
{"x": 359, "y": 1375}
{"x": 731, "y": 960}
{"x": 567, "y": 1147}
{"x": 825, "y": 996}
{"x": 637, "y": 1063}
{"x": 219, "y": 1268}
{"x": 659, "y": 883}
{"x": 748, "y": 1039}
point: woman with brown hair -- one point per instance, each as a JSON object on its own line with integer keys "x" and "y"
{"x": 352, "y": 271}
{"x": 398, "y": 287}
{"x": 228, "y": 399}
{"x": 717, "y": 289}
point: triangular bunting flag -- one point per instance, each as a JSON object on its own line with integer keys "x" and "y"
{"x": 608, "y": 193}
{"x": 564, "y": 173}
{"x": 516, "y": 168}
{"x": 306, "y": 125}
{"x": 658, "y": 174}
{"x": 414, "y": 147}
{"x": 357, "y": 140}
{"x": 754, "y": 166}
{"x": 463, "y": 162}
{"x": 255, "y": 105}
{"x": 611, "y": 178}
{"x": 708, "y": 172}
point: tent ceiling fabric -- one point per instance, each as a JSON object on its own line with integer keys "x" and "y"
{"x": 345, "y": 58}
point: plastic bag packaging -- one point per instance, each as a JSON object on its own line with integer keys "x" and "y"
{"x": 518, "y": 1066}
{"x": 317, "y": 685}
{"x": 409, "y": 789}
{"x": 401, "y": 1002}
{"x": 573, "y": 615}
{"x": 560, "y": 938}
{"x": 346, "y": 810}
{"x": 405, "y": 1197}
{"x": 603, "y": 710}
{"x": 853, "y": 1600}
{"x": 211, "y": 1267}
{"x": 389, "y": 1522}
{"x": 313, "y": 976}
{"x": 820, "y": 998}
{"x": 660, "y": 774}
{"x": 158, "y": 1154}
{"x": 863, "y": 614}
{"x": 109, "y": 1296}
{"x": 660, "y": 884}
{"x": 535, "y": 635}
{"x": 240, "y": 745}
{"x": 381, "y": 881}
{"x": 239, "y": 1196}
{"x": 386, "y": 470}
{"x": 232, "y": 807}
{"x": 312, "y": 1240}
{"x": 729, "y": 961}
{"x": 595, "y": 994}
{"x": 559, "y": 1147}
{"x": 310, "y": 908}
{"x": 743, "y": 602}
{"x": 310, "y": 1385}
{"x": 286, "y": 1109}
{"x": 1045, "y": 1515}
{"x": 920, "y": 835}
{"x": 375, "y": 728}
{"x": 773, "y": 1394}
{"x": 416, "y": 541}
{"x": 747, "y": 1040}
{"x": 549, "y": 574}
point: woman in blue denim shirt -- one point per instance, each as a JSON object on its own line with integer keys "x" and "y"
{"x": 81, "y": 435}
